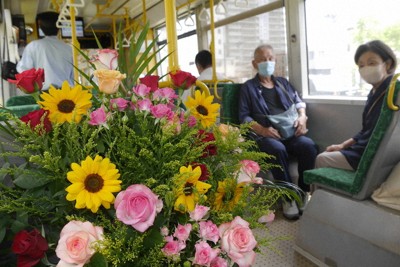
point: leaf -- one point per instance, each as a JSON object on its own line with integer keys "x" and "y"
{"x": 97, "y": 260}
{"x": 30, "y": 180}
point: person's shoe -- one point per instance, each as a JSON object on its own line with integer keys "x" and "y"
{"x": 305, "y": 200}
{"x": 290, "y": 210}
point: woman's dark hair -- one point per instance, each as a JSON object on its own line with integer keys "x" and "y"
{"x": 47, "y": 22}
{"x": 380, "y": 48}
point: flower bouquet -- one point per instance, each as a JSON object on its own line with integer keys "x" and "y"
{"x": 122, "y": 175}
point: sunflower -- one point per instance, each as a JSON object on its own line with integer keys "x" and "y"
{"x": 190, "y": 189}
{"x": 93, "y": 183}
{"x": 66, "y": 104}
{"x": 201, "y": 108}
{"x": 228, "y": 195}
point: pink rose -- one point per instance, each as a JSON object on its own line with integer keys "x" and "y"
{"x": 199, "y": 212}
{"x": 137, "y": 206}
{"x": 270, "y": 217}
{"x": 209, "y": 231}
{"x": 106, "y": 59}
{"x": 144, "y": 105}
{"x": 162, "y": 111}
{"x": 165, "y": 94}
{"x": 141, "y": 90}
{"x": 248, "y": 172}
{"x": 98, "y": 117}
{"x": 119, "y": 103}
{"x": 172, "y": 247}
{"x": 204, "y": 254}
{"x": 182, "y": 232}
{"x": 219, "y": 262}
{"x": 238, "y": 241}
{"x": 192, "y": 121}
{"x": 75, "y": 244}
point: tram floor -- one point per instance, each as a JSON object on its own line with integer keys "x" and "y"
{"x": 285, "y": 255}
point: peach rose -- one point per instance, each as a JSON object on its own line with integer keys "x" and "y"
{"x": 238, "y": 241}
{"x": 109, "y": 80}
{"x": 75, "y": 245}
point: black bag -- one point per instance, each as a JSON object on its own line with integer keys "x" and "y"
{"x": 8, "y": 70}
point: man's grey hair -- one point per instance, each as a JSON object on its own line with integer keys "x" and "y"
{"x": 261, "y": 47}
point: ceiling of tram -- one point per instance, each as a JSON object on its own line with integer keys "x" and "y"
{"x": 91, "y": 8}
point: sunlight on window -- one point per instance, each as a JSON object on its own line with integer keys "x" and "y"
{"x": 335, "y": 28}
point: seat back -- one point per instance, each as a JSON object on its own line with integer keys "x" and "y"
{"x": 230, "y": 103}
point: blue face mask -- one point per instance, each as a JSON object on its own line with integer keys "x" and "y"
{"x": 266, "y": 68}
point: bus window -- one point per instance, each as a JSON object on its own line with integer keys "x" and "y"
{"x": 335, "y": 28}
{"x": 235, "y": 41}
{"x": 187, "y": 45}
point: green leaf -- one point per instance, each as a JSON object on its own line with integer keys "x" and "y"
{"x": 30, "y": 180}
{"x": 97, "y": 260}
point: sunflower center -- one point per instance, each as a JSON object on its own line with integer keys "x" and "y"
{"x": 227, "y": 197}
{"x": 188, "y": 189}
{"x": 94, "y": 183}
{"x": 66, "y": 106}
{"x": 202, "y": 110}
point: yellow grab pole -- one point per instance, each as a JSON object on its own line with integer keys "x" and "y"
{"x": 75, "y": 42}
{"x": 172, "y": 43}
{"x": 212, "y": 45}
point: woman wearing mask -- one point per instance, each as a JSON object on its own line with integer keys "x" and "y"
{"x": 377, "y": 64}
{"x": 266, "y": 95}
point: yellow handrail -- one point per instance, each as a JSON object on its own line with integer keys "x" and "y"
{"x": 390, "y": 98}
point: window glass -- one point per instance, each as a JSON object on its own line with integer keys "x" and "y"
{"x": 235, "y": 43}
{"x": 335, "y": 28}
{"x": 187, "y": 38}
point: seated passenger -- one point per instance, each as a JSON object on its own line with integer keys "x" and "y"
{"x": 377, "y": 63}
{"x": 265, "y": 95}
{"x": 203, "y": 61}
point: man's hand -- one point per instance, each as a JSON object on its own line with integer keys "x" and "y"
{"x": 301, "y": 125}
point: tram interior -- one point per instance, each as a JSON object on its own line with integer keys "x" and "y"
{"x": 339, "y": 227}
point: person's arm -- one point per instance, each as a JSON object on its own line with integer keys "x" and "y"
{"x": 337, "y": 147}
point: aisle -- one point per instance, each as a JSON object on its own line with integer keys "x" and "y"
{"x": 287, "y": 257}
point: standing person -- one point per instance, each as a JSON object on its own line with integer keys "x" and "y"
{"x": 49, "y": 53}
{"x": 376, "y": 63}
{"x": 266, "y": 95}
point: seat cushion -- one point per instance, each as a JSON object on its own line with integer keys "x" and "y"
{"x": 230, "y": 103}
{"x": 335, "y": 178}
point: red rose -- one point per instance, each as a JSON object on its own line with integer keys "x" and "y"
{"x": 29, "y": 81}
{"x": 150, "y": 81}
{"x": 183, "y": 79}
{"x": 211, "y": 149}
{"x": 30, "y": 247}
{"x": 34, "y": 118}
{"x": 204, "y": 171}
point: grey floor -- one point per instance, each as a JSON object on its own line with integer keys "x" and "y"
{"x": 285, "y": 256}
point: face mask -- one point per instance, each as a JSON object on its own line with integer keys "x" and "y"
{"x": 373, "y": 74}
{"x": 266, "y": 68}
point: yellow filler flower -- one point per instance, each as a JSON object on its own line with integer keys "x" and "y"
{"x": 93, "y": 183}
{"x": 190, "y": 189}
{"x": 67, "y": 104}
{"x": 202, "y": 108}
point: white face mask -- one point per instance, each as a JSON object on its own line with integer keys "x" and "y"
{"x": 373, "y": 74}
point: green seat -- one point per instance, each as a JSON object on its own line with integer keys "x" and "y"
{"x": 21, "y": 105}
{"x": 378, "y": 159}
{"x": 230, "y": 103}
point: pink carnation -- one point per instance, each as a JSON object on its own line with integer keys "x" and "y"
{"x": 119, "y": 103}
{"x": 98, "y": 117}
